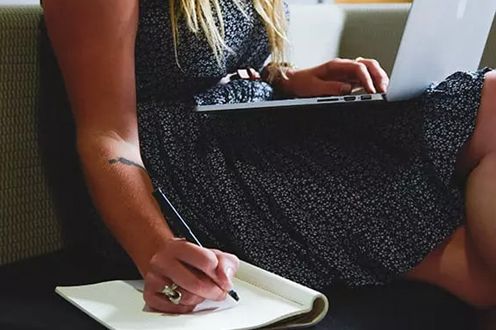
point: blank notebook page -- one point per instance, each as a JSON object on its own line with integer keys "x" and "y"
{"x": 119, "y": 305}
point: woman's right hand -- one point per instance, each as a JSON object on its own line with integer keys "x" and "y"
{"x": 199, "y": 273}
{"x": 336, "y": 77}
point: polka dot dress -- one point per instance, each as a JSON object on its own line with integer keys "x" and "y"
{"x": 352, "y": 195}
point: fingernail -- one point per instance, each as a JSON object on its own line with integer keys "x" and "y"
{"x": 384, "y": 87}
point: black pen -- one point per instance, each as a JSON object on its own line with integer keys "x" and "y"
{"x": 170, "y": 212}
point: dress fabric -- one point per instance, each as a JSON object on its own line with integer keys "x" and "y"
{"x": 356, "y": 195}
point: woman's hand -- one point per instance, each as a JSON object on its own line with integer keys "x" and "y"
{"x": 198, "y": 272}
{"x": 336, "y": 77}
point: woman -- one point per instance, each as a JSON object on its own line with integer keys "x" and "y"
{"x": 356, "y": 196}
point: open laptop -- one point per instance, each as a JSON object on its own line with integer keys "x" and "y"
{"x": 440, "y": 38}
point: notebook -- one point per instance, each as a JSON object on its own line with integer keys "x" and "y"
{"x": 266, "y": 301}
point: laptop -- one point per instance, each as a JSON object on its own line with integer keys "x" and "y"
{"x": 440, "y": 38}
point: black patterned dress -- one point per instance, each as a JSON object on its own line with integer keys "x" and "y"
{"x": 358, "y": 195}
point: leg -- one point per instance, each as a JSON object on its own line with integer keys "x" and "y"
{"x": 483, "y": 141}
{"x": 480, "y": 157}
{"x": 481, "y": 211}
{"x": 455, "y": 267}
{"x": 466, "y": 263}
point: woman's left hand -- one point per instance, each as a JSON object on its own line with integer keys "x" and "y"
{"x": 336, "y": 77}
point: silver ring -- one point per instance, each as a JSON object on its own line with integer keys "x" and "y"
{"x": 171, "y": 293}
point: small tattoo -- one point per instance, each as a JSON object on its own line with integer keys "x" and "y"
{"x": 125, "y": 161}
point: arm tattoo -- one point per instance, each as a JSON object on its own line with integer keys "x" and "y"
{"x": 127, "y": 162}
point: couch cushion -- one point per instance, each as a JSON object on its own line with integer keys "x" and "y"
{"x": 28, "y": 300}
{"x": 28, "y": 223}
{"x": 314, "y": 33}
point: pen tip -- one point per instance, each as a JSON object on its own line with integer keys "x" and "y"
{"x": 234, "y": 295}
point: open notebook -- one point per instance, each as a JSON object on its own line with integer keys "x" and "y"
{"x": 266, "y": 301}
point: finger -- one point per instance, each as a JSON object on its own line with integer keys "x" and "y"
{"x": 188, "y": 298}
{"x": 379, "y": 76}
{"x": 195, "y": 282}
{"x": 160, "y": 303}
{"x": 160, "y": 307}
{"x": 198, "y": 257}
{"x": 364, "y": 76}
{"x": 197, "y": 274}
{"x": 154, "y": 284}
{"x": 353, "y": 70}
{"x": 327, "y": 88}
{"x": 228, "y": 266}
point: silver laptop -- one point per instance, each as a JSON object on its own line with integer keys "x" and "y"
{"x": 440, "y": 38}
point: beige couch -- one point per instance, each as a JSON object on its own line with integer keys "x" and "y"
{"x": 29, "y": 221}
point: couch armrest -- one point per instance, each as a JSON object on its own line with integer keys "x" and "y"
{"x": 28, "y": 223}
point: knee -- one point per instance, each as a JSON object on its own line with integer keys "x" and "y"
{"x": 490, "y": 79}
{"x": 483, "y": 139}
{"x": 488, "y": 96}
{"x": 487, "y": 165}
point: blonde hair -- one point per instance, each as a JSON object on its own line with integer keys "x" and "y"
{"x": 206, "y": 16}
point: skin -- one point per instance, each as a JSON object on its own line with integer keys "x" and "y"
{"x": 465, "y": 264}
{"x": 94, "y": 44}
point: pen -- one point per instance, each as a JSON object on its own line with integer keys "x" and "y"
{"x": 170, "y": 212}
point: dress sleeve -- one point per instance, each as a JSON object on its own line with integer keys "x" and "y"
{"x": 236, "y": 91}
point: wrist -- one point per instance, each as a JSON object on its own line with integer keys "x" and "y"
{"x": 285, "y": 82}
{"x": 280, "y": 76}
{"x": 142, "y": 257}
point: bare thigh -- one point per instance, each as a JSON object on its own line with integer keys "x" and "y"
{"x": 457, "y": 268}
{"x": 457, "y": 265}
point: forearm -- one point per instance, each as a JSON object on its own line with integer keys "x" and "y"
{"x": 122, "y": 193}
{"x": 94, "y": 41}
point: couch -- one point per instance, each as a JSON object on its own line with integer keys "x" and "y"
{"x": 41, "y": 186}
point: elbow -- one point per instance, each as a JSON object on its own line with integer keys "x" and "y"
{"x": 105, "y": 147}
